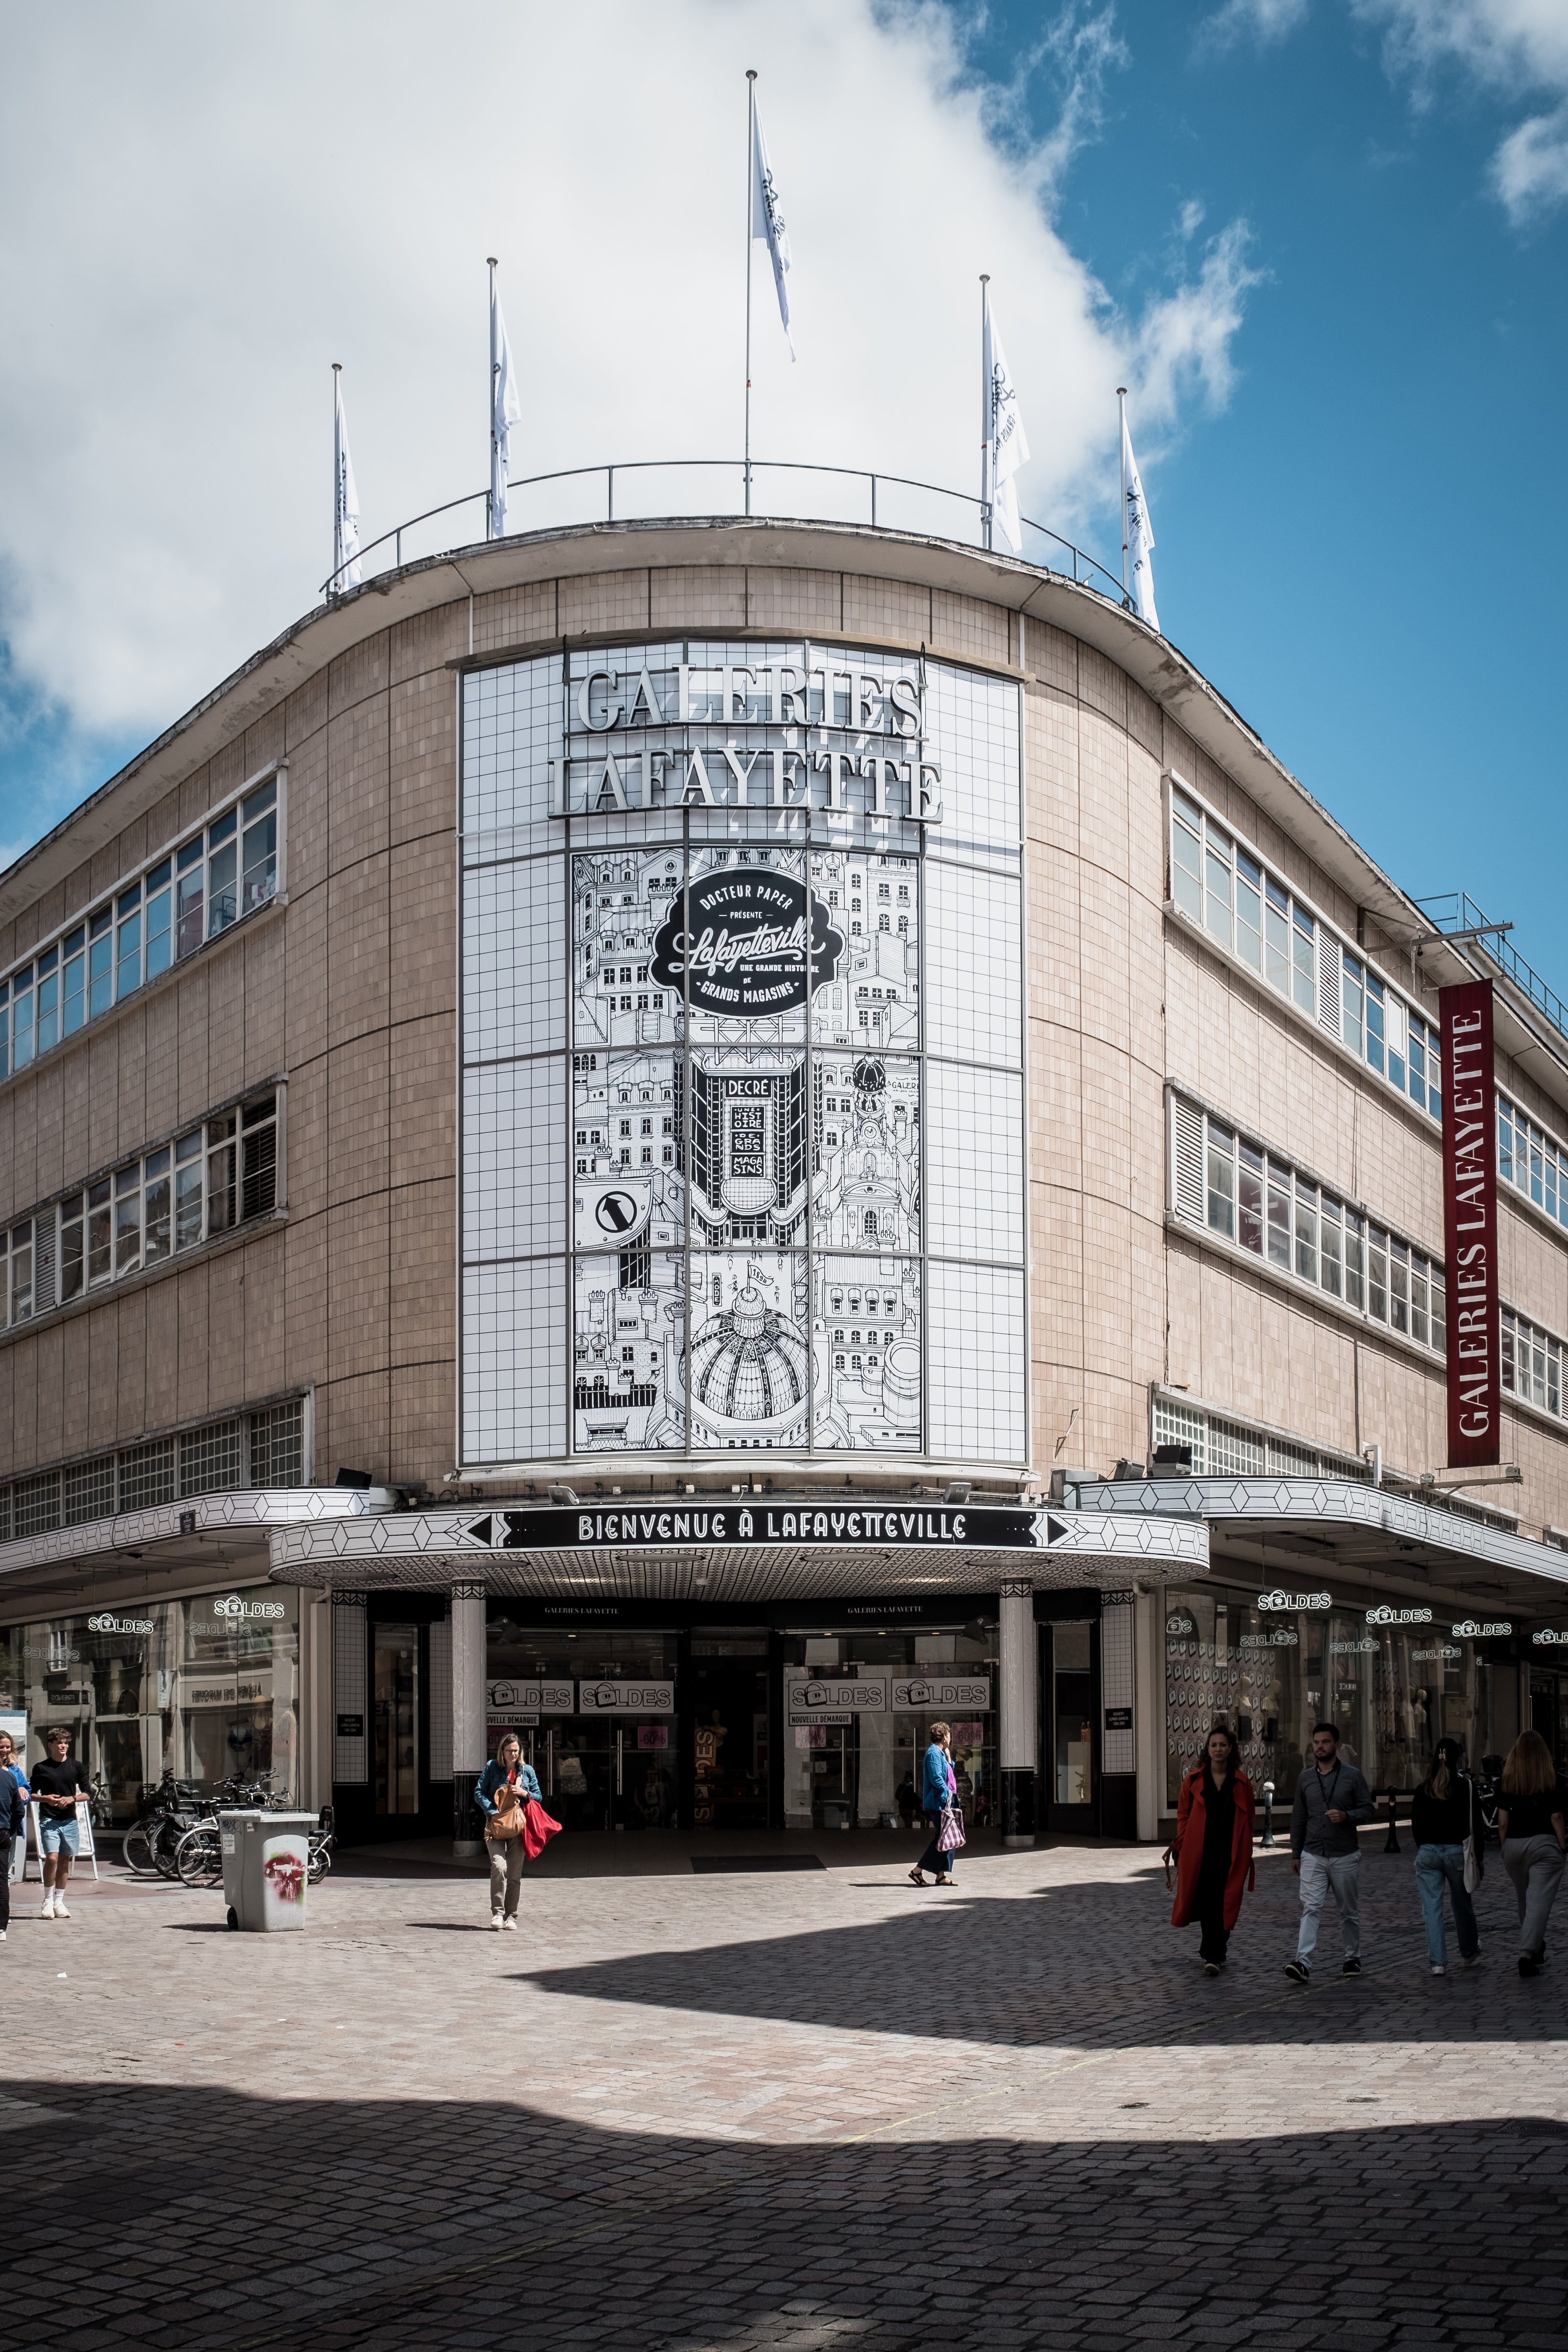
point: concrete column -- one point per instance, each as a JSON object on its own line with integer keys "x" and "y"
{"x": 468, "y": 1717}
{"x": 1018, "y": 1731}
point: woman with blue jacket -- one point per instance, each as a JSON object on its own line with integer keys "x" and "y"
{"x": 939, "y": 1789}
{"x": 506, "y": 1772}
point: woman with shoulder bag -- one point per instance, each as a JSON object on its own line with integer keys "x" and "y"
{"x": 1212, "y": 1846}
{"x": 1444, "y": 1813}
{"x": 503, "y": 1789}
{"x": 938, "y": 1792}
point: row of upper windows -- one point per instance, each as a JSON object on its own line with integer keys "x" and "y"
{"x": 1534, "y": 1163}
{"x": 1260, "y": 921}
{"x": 1263, "y": 1204}
{"x": 187, "y": 1193}
{"x": 223, "y": 872}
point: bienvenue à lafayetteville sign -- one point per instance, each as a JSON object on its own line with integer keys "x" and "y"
{"x": 656, "y": 1526}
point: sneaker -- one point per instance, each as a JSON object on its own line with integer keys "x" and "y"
{"x": 60, "y": 1911}
{"x": 1437, "y": 1969}
{"x": 495, "y": 1923}
{"x": 1351, "y": 1967}
{"x": 1527, "y": 1968}
{"x": 509, "y": 1922}
{"x": 1298, "y": 1971}
{"x": 1211, "y": 1968}
{"x": 2, "y": 1935}
{"x": 49, "y": 1910}
{"x": 1469, "y": 1959}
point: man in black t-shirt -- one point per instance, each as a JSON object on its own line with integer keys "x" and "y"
{"x": 57, "y": 1783}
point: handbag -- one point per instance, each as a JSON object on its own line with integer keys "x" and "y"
{"x": 949, "y": 1836}
{"x": 537, "y": 1829}
{"x": 507, "y": 1821}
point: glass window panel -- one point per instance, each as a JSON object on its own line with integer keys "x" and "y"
{"x": 100, "y": 1232}
{"x": 160, "y": 941}
{"x": 975, "y": 1166}
{"x": 1277, "y": 947}
{"x": 1332, "y": 1273}
{"x": 190, "y": 901}
{"x": 1378, "y": 1273}
{"x": 100, "y": 970}
{"x": 976, "y": 1354}
{"x": 1278, "y": 1215}
{"x": 48, "y": 1011}
{"x": 1248, "y": 917}
{"x": 1221, "y": 1181}
{"x": 1306, "y": 1231}
{"x": 1304, "y": 987}
{"x": 1419, "y": 1328}
{"x": 22, "y": 1037}
{"x": 1186, "y": 871}
{"x": 1374, "y": 1021}
{"x": 74, "y": 1006}
{"x": 1439, "y": 1309}
{"x": 1217, "y": 871}
{"x": 128, "y": 970}
{"x": 188, "y": 1204}
{"x": 1355, "y": 1260}
{"x": 259, "y": 877}
{"x": 1249, "y": 1199}
{"x": 1399, "y": 1286}
{"x": 223, "y": 894}
{"x": 223, "y": 830}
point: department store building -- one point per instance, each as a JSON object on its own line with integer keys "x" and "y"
{"x": 713, "y": 1139}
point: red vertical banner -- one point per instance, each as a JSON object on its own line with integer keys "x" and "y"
{"x": 1469, "y": 1226}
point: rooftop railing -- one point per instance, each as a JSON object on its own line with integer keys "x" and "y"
{"x": 890, "y": 501}
{"x": 1455, "y": 911}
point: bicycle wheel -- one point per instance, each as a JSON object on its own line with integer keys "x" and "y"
{"x": 199, "y": 1857}
{"x": 321, "y": 1862}
{"x": 139, "y": 1848}
{"x": 165, "y": 1837}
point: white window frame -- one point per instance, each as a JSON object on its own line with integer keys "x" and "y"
{"x": 1310, "y": 955}
{"x": 103, "y": 920}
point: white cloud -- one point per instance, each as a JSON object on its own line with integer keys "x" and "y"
{"x": 1514, "y": 48}
{"x": 1259, "y": 20}
{"x": 209, "y": 206}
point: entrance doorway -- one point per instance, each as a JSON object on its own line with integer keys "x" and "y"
{"x": 730, "y": 1720}
{"x": 395, "y": 1712}
{"x": 1069, "y": 1674}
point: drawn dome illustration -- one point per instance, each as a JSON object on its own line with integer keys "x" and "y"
{"x": 748, "y": 1363}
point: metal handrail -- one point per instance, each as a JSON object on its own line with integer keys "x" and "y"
{"x": 1083, "y": 565}
{"x": 1455, "y": 910}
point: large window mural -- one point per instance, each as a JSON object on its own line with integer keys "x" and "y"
{"x": 741, "y": 994}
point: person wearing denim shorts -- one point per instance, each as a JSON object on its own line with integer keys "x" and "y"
{"x": 58, "y": 1784}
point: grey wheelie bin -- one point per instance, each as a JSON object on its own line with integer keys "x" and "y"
{"x": 266, "y": 1868}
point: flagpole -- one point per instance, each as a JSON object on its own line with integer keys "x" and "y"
{"x": 1121, "y": 414}
{"x": 987, "y": 415}
{"x": 750, "y": 185}
{"x": 337, "y": 494}
{"x": 494, "y": 362}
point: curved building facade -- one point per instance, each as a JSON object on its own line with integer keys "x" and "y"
{"x": 711, "y": 1137}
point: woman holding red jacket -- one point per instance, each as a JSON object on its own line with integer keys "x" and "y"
{"x": 1212, "y": 1846}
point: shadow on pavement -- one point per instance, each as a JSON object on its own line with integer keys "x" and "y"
{"x": 207, "y": 2218}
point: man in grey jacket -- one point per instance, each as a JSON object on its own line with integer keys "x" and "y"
{"x": 1332, "y": 1800}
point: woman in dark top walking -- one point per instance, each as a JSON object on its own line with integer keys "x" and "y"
{"x": 1445, "y": 1812}
{"x": 1212, "y": 1846}
{"x": 1529, "y": 1822}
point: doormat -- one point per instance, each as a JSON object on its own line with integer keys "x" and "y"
{"x": 730, "y": 1862}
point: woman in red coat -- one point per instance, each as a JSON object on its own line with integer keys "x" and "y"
{"x": 1212, "y": 1846}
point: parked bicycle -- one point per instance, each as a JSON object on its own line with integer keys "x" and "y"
{"x": 165, "y": 1811}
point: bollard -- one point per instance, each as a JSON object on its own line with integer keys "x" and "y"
{"x": 1269, "y": 1812}
{"x": 1392, "y": 1845}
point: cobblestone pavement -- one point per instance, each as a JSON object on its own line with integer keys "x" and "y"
{"x": 800, "y": 2111}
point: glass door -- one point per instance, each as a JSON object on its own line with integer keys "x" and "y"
{"x": 1070, "y": 1682}
{"x": 395, "y": 1719}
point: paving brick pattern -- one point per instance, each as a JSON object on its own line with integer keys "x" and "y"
{"x": 803, "y": 2111}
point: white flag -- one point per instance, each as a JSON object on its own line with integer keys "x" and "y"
{"x": 345, "y": 501}
{"x": 505, "y": 412}
{"x": 1003, "y": 427}
{"x": 767, "y": 221}
{"x": 1137, "y": 534}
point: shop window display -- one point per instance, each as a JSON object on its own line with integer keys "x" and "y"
{"x": 1391, "y": 1692}
{"x": 594, "y": 1713}
{"x": 862, "y": 1767}
{"x": 205, "y": 1688}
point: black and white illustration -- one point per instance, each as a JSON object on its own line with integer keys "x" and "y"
{"x": 866, "y": 1323}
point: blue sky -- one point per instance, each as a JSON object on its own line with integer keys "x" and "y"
{"x": 1325, "y": 238}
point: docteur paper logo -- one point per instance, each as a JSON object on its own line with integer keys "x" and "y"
{"x": 736, "y": 942}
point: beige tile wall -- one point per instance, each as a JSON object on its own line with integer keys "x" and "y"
{"x": 350, "y": 988}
